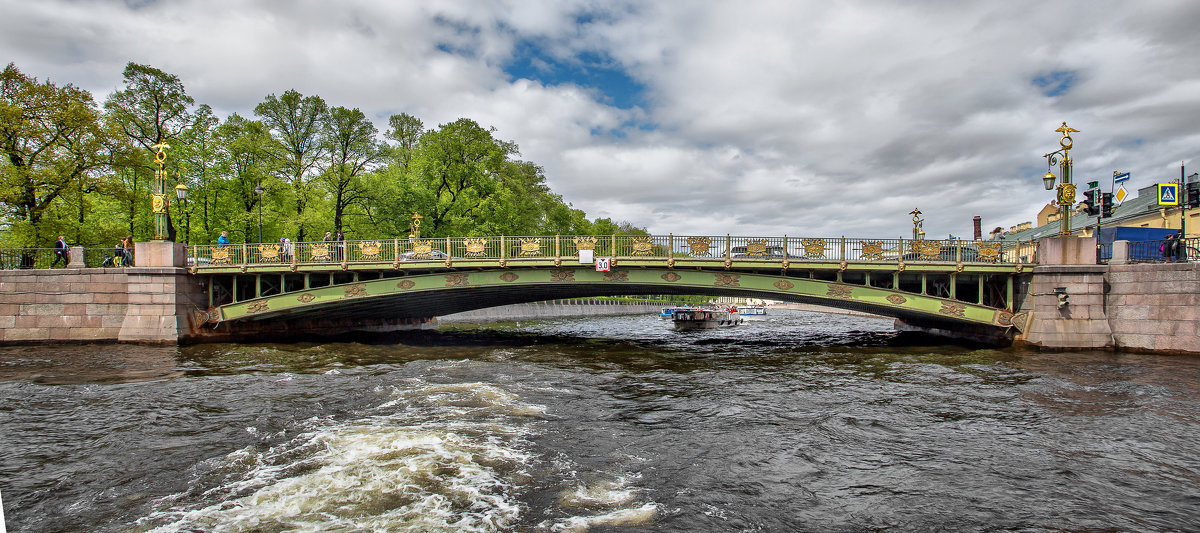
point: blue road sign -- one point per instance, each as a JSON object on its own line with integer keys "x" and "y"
{"x": 1118, "y": 178}
{"x": 1168, "y": 194}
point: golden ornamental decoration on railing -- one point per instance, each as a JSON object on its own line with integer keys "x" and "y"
{"x": 532, "y": 246}
{"x": 269, "y": 252}
{"x": 699, "y": 246}
{"x": 475, "y": 247}
{"x": 813, "y": 248}
{"x": 585, "y": 243}
{"x": 642, "y": 246}
{"x": 756, "y": 248}
{"x": 422, "y": 249}
{"x": 989, "y": 252}
{"x": 220, "y": 255}
{"x": 872, "y": 249}
{"x": 927, "y": 249}
{"x": 369, "y": 249}
{"x": 319, "y": 252}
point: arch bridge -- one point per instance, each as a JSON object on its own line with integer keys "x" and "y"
{"x": 945, "y": 284}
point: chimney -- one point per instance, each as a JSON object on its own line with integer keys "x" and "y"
{"x": 978, "y": 229}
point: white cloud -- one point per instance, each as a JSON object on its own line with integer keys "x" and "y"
{"x": 804, "y": 118}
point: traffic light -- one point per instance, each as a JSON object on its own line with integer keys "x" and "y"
{"x": 1105, "y": 205}
{"x": 1090, "y": 199}
{"x": 1193, "y": 194}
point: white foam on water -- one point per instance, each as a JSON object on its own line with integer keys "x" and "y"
{"x": 433, "y": 458}
{"x": 599, "y": 494}
{"x": 607, "y": 502}
{"x": 632, "y": 516}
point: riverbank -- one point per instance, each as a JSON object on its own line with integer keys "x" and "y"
{"x": 552, "y": 309}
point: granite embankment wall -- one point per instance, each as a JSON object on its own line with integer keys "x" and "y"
{"x": 1152, "y": 307}
{"x": 150, "y": 305}
{"x": 1155, "y": 307}
{"x": 554, "y": 309}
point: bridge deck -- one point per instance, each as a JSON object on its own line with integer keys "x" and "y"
{"x": 671, "y": 251}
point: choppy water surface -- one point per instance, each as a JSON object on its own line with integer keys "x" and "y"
{"x": 800, "y": 422}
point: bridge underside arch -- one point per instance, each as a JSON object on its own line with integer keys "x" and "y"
{"x": 436, "y": 294}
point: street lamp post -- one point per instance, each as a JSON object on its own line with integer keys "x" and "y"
{"x": 259, "y": 190}
{"x": 1066, "y": 189}
{"x": 1183, "y": 204}
{"x": 159, "y": 203}
{"x": 181, "y": 192}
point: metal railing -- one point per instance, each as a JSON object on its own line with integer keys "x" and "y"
{"x": 503, "y": 249}
{"x": 35, "y": 258}
{"x": 26, "y": 258}
{"x": 106, "y": 257}
{"x": 1154, "y": 251}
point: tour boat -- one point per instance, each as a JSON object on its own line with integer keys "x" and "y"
{"x": 669, "y": 312}
{"x": 751, "y": 310}
{"x": 705, "y": 318}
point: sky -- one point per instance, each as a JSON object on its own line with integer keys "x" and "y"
{"x": 755, "y": 118}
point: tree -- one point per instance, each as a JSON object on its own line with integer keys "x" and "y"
{"x": 197, "y": 155}
{"x": 153, "y": 108}
{"x": 296, "y": 122}
{"x": 52, "y": 140}
{"x": 352, "y": 146}
{"x": 243, "y": 161}
{"x": 406, "y": 130}
{"x": 457, "y": 165}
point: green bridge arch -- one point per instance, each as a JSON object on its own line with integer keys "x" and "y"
{"x": 435, "y": 294}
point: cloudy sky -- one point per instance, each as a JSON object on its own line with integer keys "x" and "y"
{"x": 805, "y": 118}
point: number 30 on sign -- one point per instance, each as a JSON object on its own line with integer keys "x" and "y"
{"x": 602, "y": 264}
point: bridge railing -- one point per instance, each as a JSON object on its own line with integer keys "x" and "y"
{"x": 26, "y": 258}
{"x": 622, "y": 247}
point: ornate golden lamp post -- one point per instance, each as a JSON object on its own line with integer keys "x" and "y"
{"x": 918, "y": 224}
{"x": 159, "y": 202}
{"x": 414, "y": 229}
{"x": 1066, "y": 189}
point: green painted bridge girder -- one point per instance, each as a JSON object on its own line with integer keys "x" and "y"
{"x": 441, "y": 293}
{"x": 708, "y": 263}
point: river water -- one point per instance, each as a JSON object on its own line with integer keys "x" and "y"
{"x": 797, "y": 422}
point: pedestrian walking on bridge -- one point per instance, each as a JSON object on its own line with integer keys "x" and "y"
{"x": 61, "y": 252}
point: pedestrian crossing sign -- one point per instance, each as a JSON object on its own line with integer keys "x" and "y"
{"x": 1168, "y": 194}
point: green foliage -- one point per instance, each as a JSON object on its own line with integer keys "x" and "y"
{"x": 152, "y": 108}
{"x": 70, "y": 169}
{"x": 54, "y": 146}
{"x": 296, "y": 123}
